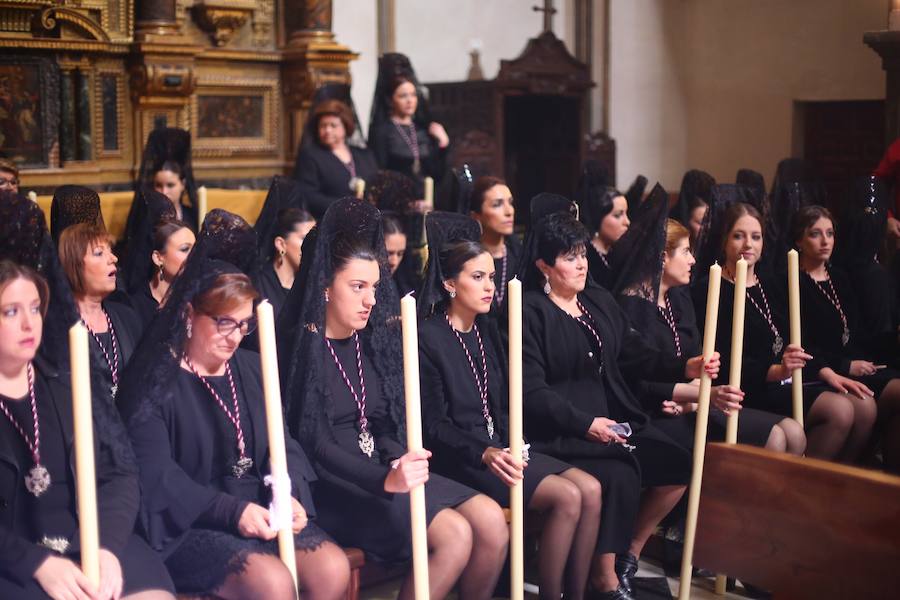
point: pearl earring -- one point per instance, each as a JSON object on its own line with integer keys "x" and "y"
{"x": 190, "y": 329}
{"x": 326, "y": 296}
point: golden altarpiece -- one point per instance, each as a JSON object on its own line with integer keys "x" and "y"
{"x": 83, "y": 82}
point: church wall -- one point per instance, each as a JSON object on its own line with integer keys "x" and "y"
{"x": 729, "y": 73}
{"x": 355, "y": 24}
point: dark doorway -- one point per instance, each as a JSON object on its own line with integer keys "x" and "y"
{"x": 844, "y": 139}
{"x": 541, "y": 144}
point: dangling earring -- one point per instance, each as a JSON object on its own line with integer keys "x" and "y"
{"x": 190, "y": 329}
{"x": 547, "y": 289}
{"x": 160, "y": 272}
{"x": 280, "y": 257}
{"x": 326, "y": 296}
{"x": 452, "y": 293}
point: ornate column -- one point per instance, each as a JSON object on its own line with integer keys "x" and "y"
{"x": 312, "y": 58}
{"x": 887, "y": 44}
{"x": 161, "y": 66}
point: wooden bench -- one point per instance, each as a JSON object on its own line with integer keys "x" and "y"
{"x": 803, "y": 528}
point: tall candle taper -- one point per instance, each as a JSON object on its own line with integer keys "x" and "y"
{"x": 414, "y": 442}
{"x": 32, "y": 195}
{"x": 516, "y": 499}
{"x": 281, "y": 482}
{"x": 360, "y": 188}
{"x": 429, "y": 193}
{"x": 709, "y": 346}
{"x": 794, "y": 306}
{"x": 85, "y": 476}
{"x": 201, "y": 205}
{"x": 736, "y": 355}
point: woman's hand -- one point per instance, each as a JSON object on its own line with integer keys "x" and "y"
{"x": 61, "y": 579}
{"x": 845, "y": 385}
{"x": 794, "y": 357}
{"x": 437, "y": 131}
{"x": 504, "y": 465}
{"x": 695, "y": 367}
{"x": 861, "y": 368}
{"x": 600, "y": 431}
{"x": 110, "y": 576}
{"x": 254, "y": 523}
{"x": 726, "y": 398}
{"x": 411, "y": 470}
{"x": 299, "y": 518}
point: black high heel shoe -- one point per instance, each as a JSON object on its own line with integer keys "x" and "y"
{"x": 620, "y": 593}
{"x": 626, "y": 567}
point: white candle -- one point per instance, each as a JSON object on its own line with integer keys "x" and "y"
{"x": 414, "y": 442}
{"x": 737, "y": 342}
{"x": 85, "y": 476}
{"x": 201, "y": 205}
{"x": 516, "y": 500}
{"x": 709, "y": 346}
{"x": 281, "y": 488}
{"x": 429, "y": 193}
{"x": 32, "y": 195}
{"x": 360, "y": 188}
{"x": 794, "y": 305}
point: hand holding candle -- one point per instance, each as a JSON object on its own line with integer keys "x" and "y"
{"x": 794, "y": 306}
{"x": 414, "y": 443}
{"x": 516, "y": 503}
{"x": 85, "y": 475}
{"x": 709, "y": 344}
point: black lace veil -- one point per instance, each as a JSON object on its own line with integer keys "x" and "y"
{"x": 443, "y": 228}
{"x": 694, "y": 184}
{"x": 392, "y": 66}
{"x": 301, "y": 323}
{"x": 796, "y": 184}
{"x": 861, "y": 230}
{"x": 283, "y": 193}
{"x": 150, "y": 208}
{"x": 169, "y": 144}
{"x": 541, "y": 206}
{"x": 635, "y": 193}
{"x": 753, "y": 180}
{"x": 636, "y": 259}
{"x": 709, "y": 242}
{"x": 73, "y": 204}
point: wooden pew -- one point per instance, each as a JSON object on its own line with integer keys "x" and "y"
{"x": 803, "y": 528}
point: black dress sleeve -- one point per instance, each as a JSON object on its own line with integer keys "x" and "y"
{"x": 541, "y": 402}
{"x": 309, "y": 177}
{"x": 19, "y": 558}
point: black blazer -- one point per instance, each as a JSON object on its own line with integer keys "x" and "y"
{"x": 561, "y": 382}
{"x": 175, "y": 466}
{"x": 118, "y": 495}
{"x": 324, "y": 179}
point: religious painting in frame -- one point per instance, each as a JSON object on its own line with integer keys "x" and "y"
{"x": 29, "y": 109}
{"x": 234, "y": 116}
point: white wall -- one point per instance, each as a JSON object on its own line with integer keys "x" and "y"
{"x": 355, "y": 24}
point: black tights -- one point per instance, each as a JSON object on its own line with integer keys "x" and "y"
{"x": 889, "y": 424}
{"x": 838, "y": 426}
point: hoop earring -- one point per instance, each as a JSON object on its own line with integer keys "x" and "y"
{"x": 547, "y": 288}
{"x": 190, "y": 329}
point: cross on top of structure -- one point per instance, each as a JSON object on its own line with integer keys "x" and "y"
{"x": 548, "y": 11}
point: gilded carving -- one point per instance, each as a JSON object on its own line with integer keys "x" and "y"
{"x": 49, "y": 18}
{"x": 222, "y": 19}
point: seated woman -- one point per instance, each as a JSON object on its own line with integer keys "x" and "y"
{"x": 345, "y": 396}
{"x": 463, "y": 373}
{"x": 85, "y": 252}
{"x": 172, "y": 243}
{"x": 330, "y": 168}
{"x": 693, "y": 199}
{"x": 605, "y": 214}
{"x": 654, "y": 295}
{"x": 492, "y": 206}
{"x": 401, "y": 132}
{"x": 831, "y": 327}
{"x": 837, "y": 424}
{"x": 394, "y": 241}
{"x": 197, "y": 421}
{"x": 578, "y": 347}
{"x": 277, "y": 277}
{"x": 39, "y": 549}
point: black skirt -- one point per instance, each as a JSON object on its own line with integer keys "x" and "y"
{"x": 777, "y": 398}
{"x": 754, "y": 427}
{"x": 206, "y": 557}
{"x": 380, "y": 525}
{"x": 142, "y": 570}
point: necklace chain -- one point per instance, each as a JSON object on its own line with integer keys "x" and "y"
{"x": 500, "y": 292}
{"x": 113, "y": 363}
{"x": 587, "y": 321}
{"x": 409, "y": 138}
{"x": 33, "y": 446}
{"x": 359, "y": 398}
{"x": 670, "y": 321}
{"x": 482, "y": 382}
{"x": 835, "y": 302}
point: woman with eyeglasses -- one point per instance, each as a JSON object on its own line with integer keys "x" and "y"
{"x": 9, "y": 176}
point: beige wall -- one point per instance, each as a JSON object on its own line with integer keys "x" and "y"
{"x": 711, "y": 84}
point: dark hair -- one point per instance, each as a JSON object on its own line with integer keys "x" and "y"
{"x": 806, "y": 218}
{"x": 454, "y": 255}
{"x": 480, "y": 188}
{"x": 173, "y": 166}
{"x": 600, "y": 204}
{"x": 226, "y": 293}
{"x": 735, "y": 212}
{"x": 695, "y": 202}
{"x": 73, "y": 245}
{"x": 347, "y": 249}
{"x": 560, "y": 234}
{"x": 396, "y": 82}
{"x": 164, "y": 230}
{"x": 288, "y": 219}
{"x": 390, "y": 224}
{"x": 10, "y": 271}
{"x": 9, "y": 166}
{"x": 335, "y": 108}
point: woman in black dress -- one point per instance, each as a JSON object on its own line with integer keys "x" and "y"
{"x": 277, "y": 276}
{"x": 492, "y": 206}
{"x": 464, "y": 391}
{"x": 194, "y": 406}
{"x": 344, "y": 391}
{"x": 402, "y": 134}
{"x": 651, "y": 288}
{"x": 329, "y": 168}
{"x": 578, "y": 349}
{"x": 831, "y": 328}
{"x": 85, "y": 252}
{"x": 604, "y": 211}
{"x": 836, "y": 423}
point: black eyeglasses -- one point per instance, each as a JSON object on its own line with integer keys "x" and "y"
{"x": 226, "y": 325}
{"x": 8, "y": 182}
